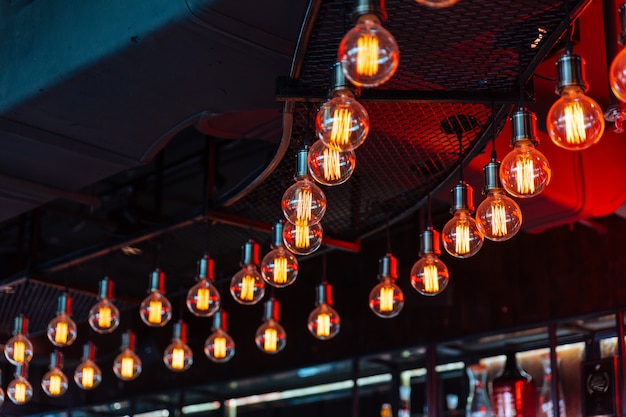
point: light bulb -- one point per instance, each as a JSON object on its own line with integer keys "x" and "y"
{"x": 386, "y": 299}
{"x": 104, "y": 317}
{"x": 438, "y": 4}
{"x": 247, "y": 286}
{"x": 524, "y": 171}
{"x": 203, "y": 299}
{"x": 219, "y": 346}
{"x": 178, "y": 356}
{"x": 303, "y": 240}
{"x": 324, "y": 322}
{"x": 19, "y": 390}
{"x": 498, "y": 217}
{"x": 54, "y": 383}
{"x": 88, "y": 374}
{"x": 617, "y": 75}
{"x": 127, "y": 365}
{"x": 19, "y": 350}
{"x": 574, "y": 121}
{"x": 460, "y": 235}
{"x": 304, "y": 203}
{"x": 368, "y": 53}
{"x": 62, "y": 330}
{"x": 156, "y": 310}
{"x": 330, "y": 166}
{"x": 270, "y": 336}
{"x": 279, "y": 267}
{"x": 429, "y": 275}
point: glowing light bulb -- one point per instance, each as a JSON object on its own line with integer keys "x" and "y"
{"x": 270, "y": 336}
{"x": 330, "y": 166}
{"x": 88, "y": 374}
{"x": 368, "y": 53}
{"x": 303, "y": 203}
{"x": 219, "y": 346}
{"x": 386, "y": 299}
{"x": 438, "y": 4}
{"x": 617, "y": 71}
{"x": 178, "y": 356}
{"x": 104, "y": 317}
{"x": 279, "y": 267}
{"x": 324, "y": 322}
{"x": 574, "y": 121}
{"x": 247, "y": 286}
{"x": 127, "y": 365}
{"x": 19, "y": 390}
{"x": 203, "y": 299}
{"x": 524, "y": 171}
{"x": 62, "y": 330}
{"x": 302, "y": 240}
{"x": 460, "y": 235}
{"x": 54, "y": 383}
{"x": 429, "y": 275}
{"x": 18, "y": 349}
{"x": 156, "y": 310}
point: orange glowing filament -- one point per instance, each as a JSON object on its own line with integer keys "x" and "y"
{"x": 55, "y": 385}
{"x": 303, "y": 238}
{"x": 202, "y": 299}
{"x": 280, "y": 270}
{"x": 19, "y": 351}
{"x": 104, "y": 317}
{"x": 154, "y": 314}
{"x": 87, "y": 377}
{"x": 60, "y": 334}
{"x": 462, "y": 241}
{"x": 323, "y": 325}
{"x": 178, "y": 358}
{"x": 270, "y": 340}
{"x": 219, "y": 347}
{"x": 498, "y": 220}
{"x": 20, "y": 392}
{"x": 367, "y": 55}
{"x": 386, "y": 299}
{"x": 332, "y": 165}
{"x": 575, "y": 132}
{"x": 524, "y": 176}
{"x": 247, "y": 288}
{"x": 303, "y": 208}
{"x": 340, "y": 132}
{"x": 431, "y": 280}
{"x": 127, "y": 368}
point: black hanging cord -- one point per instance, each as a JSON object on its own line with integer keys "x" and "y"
{"x": 388, "y": 231}
{"x": 494, "y": 129}
{"x": 521, "y": 71}
{"x": 207, "y": 224}
{"x": 429, "y": 219}
{"x": 568, "y": 34}
{"x": 157, "y": 254}
{"x": 307, "y": 125}
{"x": 459, "y": 135}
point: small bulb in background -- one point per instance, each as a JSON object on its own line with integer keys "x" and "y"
{"x": 104, "y": 316}
{"x": 247, "y": 286}
{"x": 460, "y": 235}
{"x": 429, "y": 275}
{"x": 127, "y": 365}
{"x": 19, "y": 350}
{"x": 19, "y": 390}
{"x": 178, "y": 356}
{"x": 219, "y": 346}
{"x": 203, "y": 299}
{"x": 386, "y": 299}
{"x": 88, "y": 374}
{"x": 271, "y": 336}
{"x": 156, "y": 310}
{"x": 279, "y": 266}
{"x": 54, "y": 383}
{"x": 62, "y": 330}
{"x": 324, "y": 321}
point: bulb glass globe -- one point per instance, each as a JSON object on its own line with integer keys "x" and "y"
{"x": 178, "y": 356}
{"x": 1, "y": 396}
{"x": 498, "y": 217}
{"x": 54, "y": 383}
{"x": 386, "y": 299}
{"x": 279, "y": 267}
{"x": 368, "y": 53}
{"x": 617, "y": 75}
{"x": 342, "y": 124}
{"x": 19, "y": 390}
{"x": 525, "y": 172}
{"x": 203, "y": 299}
{"x": 438, "y": 4}
{"x": 324, "y": 322}
{"x": 271, "y": 337}
{"x": 460, "y": 236}
{"x": 429, "y": 275}
{"x": 155, "y": 310}
{"x": 247, "y": 286}
{"x": 62, "y": 330}
{"x": 575, "y": 121}
{"x": 303, "y": 240}
{"x": 219, "y": 346}
{"x": 104, "y": 317}
{"x": 88, "y": 375}
{"x": 18, "y": 350}
{"x": 127, "y": 365}
{"x": 330, "y": 166}
{"x": 304, "y": 202}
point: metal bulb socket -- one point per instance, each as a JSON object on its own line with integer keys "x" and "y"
{"x": 491, "y": 173}
{"x": 270, "y": 309}
{"x": 302, "y": 166}
{"x": 56, "y": 360}
{"x": 570, "y": 73}
{"x": 523, "y": 126}
{"x": 180, "y": 331}
{"x": 20, "y": 325}
{"x": 462, "y": 197}
{"x": 250, "y": 253}
{"x": 220, "y": 320}
{"x": 64, "y": 304}
{"x": 105, "y": 289}
{"x": 157, "y": 281}
{"x": 205, "y": 268}
{"x": 277, "y": 234}
{"x": 364, "y": 7}
{"x": 429, "y": 242}
{"x": 128, "y": 340}
{"x": 89, "y": 351}
{"x": 388, "y": 267}
{"x": 323, "y": 294}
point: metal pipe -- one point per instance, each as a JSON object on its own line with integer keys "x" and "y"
{"x": 431, "y": 381}
{"x": 621, "y": 372}
{"x": 554, "y": 367}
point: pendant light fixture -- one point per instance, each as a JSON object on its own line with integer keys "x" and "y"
{"x": 270, "y": 336}
{"x": 18, "y": 349}
{"x": 127, "y": 365}
{"x": 178, "y": 356}
{"x": 203, "y": 299}
{"x": 104, "y": 316}
{"x": 156, "y": 310}
{"x": 617, "y": 71}
{"x": 386, "y": 299}
{"x": 342, "y": 124}
{"x": 429, "y": 275}
{"x": 62, "y": 330}
{"x": 54, "y": 383}
{"x": 460, "y": 235}
{"x": 324, "y": 322}
{"x": 219, "y": 346}
{"x": 524, "y": 171}
{"x": 279, "y": 267}
{"x": 368, "y": 53}
{"x": 88, "y": 374}
{"x": 19, "y": 390}
{"x": 247, "y": 286}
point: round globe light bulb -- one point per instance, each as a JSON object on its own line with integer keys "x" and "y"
{"x": 247, "y": 286}
{"x": 155, "y": 310}
{"x": 617, "y": 75}
{"x": 342, "y": 124}
{"x": 87, "y": 375}
{"x": 219, "y": 346}
{"x": 525, "y": 172}
{"x": 329, "y": 166}
{"x": 386, "y": 299}
{"x": 104, "y": 317}
{"x": 304, "y": 202}
{"x": 279, "y": 267}
{"x": 437, "y": 4}
{"x": 429, "y": 275}
{"x": 178, "y": 356}
{"x": 498, "y": 217}
{"x": 62, "y": 330}
{"x": 203, "y": 299}
{"x": 303, "y": 240}
{"x": 127, "y": 365}
{"x": 18, "y": 350}
{"x": 368, "y": 53}
{"x": 54, "y": 383}
{"x": 19, "y": 390}
{"x": 575, "y": 121}
{"x": 324, "y": 322}
{"x": 271, "y": 337}
{"x": 460, "y": 235}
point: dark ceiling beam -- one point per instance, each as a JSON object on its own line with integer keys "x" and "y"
{"x": 20, "y": 188}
